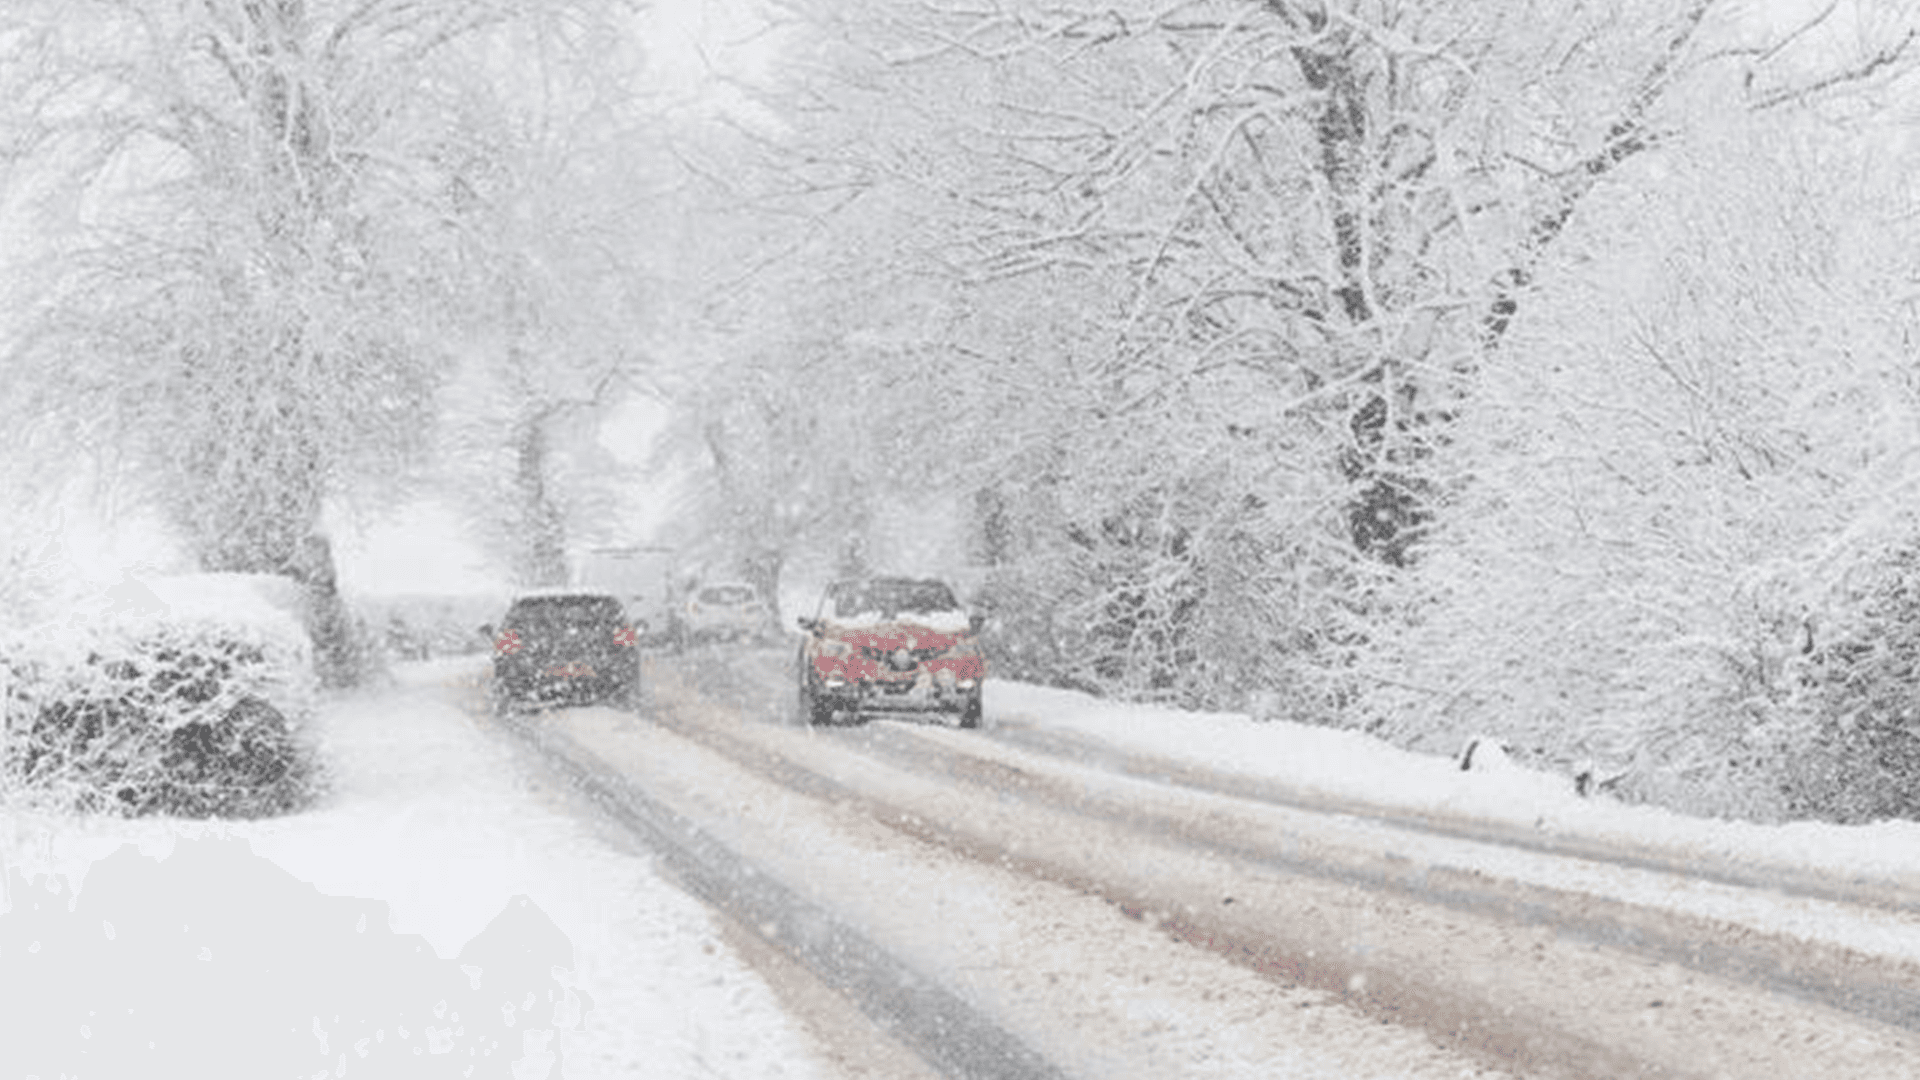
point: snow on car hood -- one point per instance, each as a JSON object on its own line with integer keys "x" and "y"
{"x": 946, "y": 622}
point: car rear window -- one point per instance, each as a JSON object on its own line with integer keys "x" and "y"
{"x": 564, "y": 611}
{"x": 890, "y": 598}
{"x": 726, "y": 594}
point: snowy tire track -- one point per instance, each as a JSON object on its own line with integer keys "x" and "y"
{"x": 1096, "y": 993}
{"x": 1353, "y": 912}
{"x": 1850, "y": 998}
{"x": 944, "y": 1030}
{"x": 1819, "y": 972}
{"x": 1733, "y": 930}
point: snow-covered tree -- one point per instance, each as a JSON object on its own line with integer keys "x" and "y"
{"x": 792, "y": 452}
{"x": 1687, "y": 504}
{"x": 1293, "y": 234}
{"x": 247, "y": 253}
{"x": 561, "y": 208}
{"x": 812, "y": 386}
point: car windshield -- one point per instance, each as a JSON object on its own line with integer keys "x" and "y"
{"x": 891, "y": 598}
{"x": 563, "y": 611}
{"x": 726, "y": 594}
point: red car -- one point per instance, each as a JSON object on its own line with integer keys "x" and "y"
{"x": 890, "y": 645}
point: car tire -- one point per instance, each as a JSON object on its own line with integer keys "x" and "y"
{"x": 970, "y": 711}
{"x": 815, "y": 710}
{"x": 625, "y": 697}
{"x": 500, "y": 700}
{"x": 632, "y": 695}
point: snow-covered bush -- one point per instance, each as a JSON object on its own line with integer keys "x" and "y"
{"x": 1859, "y": 688}
{"x": 1233, "y": 586}
{"x": 188, "y": 699}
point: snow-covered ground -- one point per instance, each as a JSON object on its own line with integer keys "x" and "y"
{"x": 492, "y": 896}
{"x": 486, "y": 894}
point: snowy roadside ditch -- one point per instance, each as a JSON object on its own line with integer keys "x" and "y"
{"x": 433, "y": 916}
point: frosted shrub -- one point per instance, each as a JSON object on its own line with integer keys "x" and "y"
{"x": 1861, "y": 693}
{"x": 183, "y": 713}
{"x": 1026, "y": 641}
{"x": 1201, "y": 601}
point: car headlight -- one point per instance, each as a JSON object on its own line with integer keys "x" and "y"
{"x": 962, "y": 662}
{"x": 962, "y": 646}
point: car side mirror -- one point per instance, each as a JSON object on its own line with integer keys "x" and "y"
{"x": 976, "y": 622}
{"x": 807, "y": 624}
{"x": 486, "y": 629}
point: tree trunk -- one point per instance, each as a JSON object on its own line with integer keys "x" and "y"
{"x": 339, "y": 658}
{"x": 765, "y": 575}
{"x": 541, "y": 543}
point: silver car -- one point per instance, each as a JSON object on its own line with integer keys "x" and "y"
{"x": 724, "y": 611}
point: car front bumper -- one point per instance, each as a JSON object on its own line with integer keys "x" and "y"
{"x": 917, "y": 691}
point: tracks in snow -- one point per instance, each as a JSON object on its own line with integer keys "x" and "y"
{"x": 1522, "y": 958}
{"x": 940, "y": 1027}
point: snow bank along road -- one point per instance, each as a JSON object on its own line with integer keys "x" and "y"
{"x": 1011, "y": 902}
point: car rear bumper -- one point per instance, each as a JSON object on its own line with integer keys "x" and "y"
{"x": 570, "y": 684}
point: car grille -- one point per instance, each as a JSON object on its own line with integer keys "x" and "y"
{"x": 900, "y": 659}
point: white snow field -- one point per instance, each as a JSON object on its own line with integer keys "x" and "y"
{"x": 571, "y": 957}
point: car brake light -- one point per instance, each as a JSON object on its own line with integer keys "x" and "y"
{"x": 507, "y": 642}
{"x": 624, "y": 636}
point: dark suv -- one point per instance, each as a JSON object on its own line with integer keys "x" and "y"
{"x": 565, "y": 648}
{"x": 890, "y": 644}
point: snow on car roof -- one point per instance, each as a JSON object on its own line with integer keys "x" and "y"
{"x": 907, "y": 594}
{"x": 561, "y": 590}
{"x": 942, "y": 621}
{"x": 545, "y": 603}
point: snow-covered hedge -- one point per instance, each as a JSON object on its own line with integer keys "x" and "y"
{"x": 1854, "y": 688}
{"x": 189, "y": 698}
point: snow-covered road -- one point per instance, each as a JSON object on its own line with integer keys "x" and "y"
{"x": 1437, "y": 914}
{"x": 1083, "y": 889}
{"x": 1090, "y": 988}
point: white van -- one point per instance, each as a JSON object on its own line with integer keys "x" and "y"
{"x": 642, "y": 577}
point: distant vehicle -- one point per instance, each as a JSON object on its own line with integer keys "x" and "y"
{"x": 420, "y": 626}
{"x": 565, "y": 647}
{"x": 724, "y": 611}
{"x": 891, "y": 645}
{"x": 641, "y": 577}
